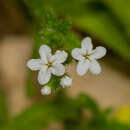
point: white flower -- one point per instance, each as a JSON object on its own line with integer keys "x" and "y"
{"x": 66, "y": 82}
{"x": 87, "y": 57}
{"x": 48, "y": 64}
{"x": 46, "y": 90}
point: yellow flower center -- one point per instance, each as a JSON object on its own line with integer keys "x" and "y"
{"x": 87, "y": 56}
{"x": 49, "y": 64}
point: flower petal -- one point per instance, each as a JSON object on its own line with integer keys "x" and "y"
{"x": 34, "y": 64}
{"x": 43, "y": 68}
{"x": 46, "y": 90}
{"x": 94, "y": 67}
{"x": 77, "y": 54}
{"x": 87, "y": 45}
{"x": 59, "y": 57}
{"x": 57, "y": 69}
{"x": 45, "y": 53}
{"x": 82, "y": 67}
{"x": 44, "y": 77}
{"x": 98, "y": 53}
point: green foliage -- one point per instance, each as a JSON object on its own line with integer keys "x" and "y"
{"x": 3, "y": 110}
{"x": 107, "y": 20}
{"x": 70, "y": 112}
{"x": 39, "y": 115}
{"x": 30, "y": 86}
{"x": 55, "y": 33}
{"x": 113, "y": 125}
{"x": 121, "y": 9}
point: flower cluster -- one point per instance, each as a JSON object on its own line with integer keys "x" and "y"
{"x": 49, "y": 64}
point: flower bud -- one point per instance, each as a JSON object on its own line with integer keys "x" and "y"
{"x": 66, "y": 82}
{"x": 46, "y": 90}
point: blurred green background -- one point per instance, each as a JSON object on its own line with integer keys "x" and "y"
{"x": 106, "y": 21}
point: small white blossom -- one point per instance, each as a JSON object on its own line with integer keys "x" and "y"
{"x": 87, "y": 57}
{"x": 48, "y": 64}
{"x": 46, "y": 90}
{"x": 66, "y": 82}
